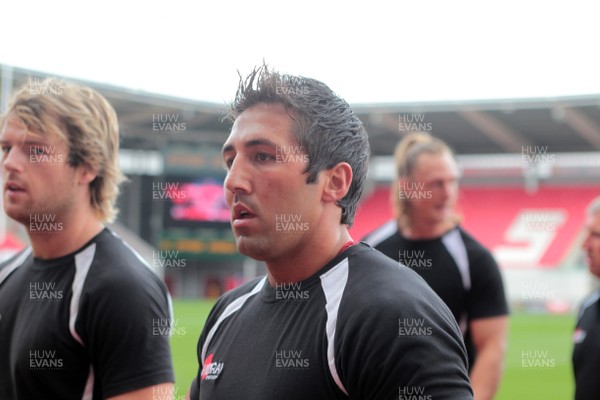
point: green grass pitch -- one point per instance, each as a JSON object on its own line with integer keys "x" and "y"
{"x": 538, "y": 363}
{"x": 549, "y": 375}
{"x": 189, "y": 318}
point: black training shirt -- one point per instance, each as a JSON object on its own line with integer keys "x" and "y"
{"x": 362, "y": 327}
{"x": 82, "y": 324}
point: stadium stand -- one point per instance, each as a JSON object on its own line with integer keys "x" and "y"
{"x": 529, "y": 166}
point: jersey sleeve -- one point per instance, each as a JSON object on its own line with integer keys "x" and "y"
{"x": 486, "y": 297}
{"x": 126, "y": 329}
{"x": 403, "y": 343}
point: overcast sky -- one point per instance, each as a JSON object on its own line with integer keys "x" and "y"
{"x": 367, "y": 52}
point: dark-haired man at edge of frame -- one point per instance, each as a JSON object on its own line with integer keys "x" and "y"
{"x": 586, "y": 338}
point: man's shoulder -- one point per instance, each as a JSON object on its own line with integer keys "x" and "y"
{"x": 239, "y": 293}
{"x": 380, "y": 290}
{"x": 16, "y": 261}
{"x": 111, "y": 263}
{"x": 115, "y": 254}
{"x": 478, "y": 255}
{"x": 382, "y": 234}
{"x": 375, "y": 278}
{"x": 589, "y": 301}
{"x": 112, "y": 244}
{"x": 233, "y": 300}
{"x": 472, "y": 245}
{"x": 243, "y": 290}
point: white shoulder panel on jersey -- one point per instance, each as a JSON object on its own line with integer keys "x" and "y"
{"x": 83, "y": 262}
{"x": 588, "y": 302}
{"x": 333, "y": 283}
{"x": 457, "y": 249}
{"x": 230, "y": 309}
{"x": 16, "y": 263}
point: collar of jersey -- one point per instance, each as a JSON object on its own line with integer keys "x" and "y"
{"x": 274, "y": 294}
{"x": 52, "y": 262}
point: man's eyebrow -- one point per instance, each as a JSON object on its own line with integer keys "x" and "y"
{"x": 250, "y": 143}
{"x": 226, "y": 148}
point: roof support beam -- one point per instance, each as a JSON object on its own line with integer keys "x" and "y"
{"x": 583, "y": 125}
{"x": 501, "y": 134}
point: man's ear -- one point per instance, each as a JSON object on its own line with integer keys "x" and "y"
{"x": 337, "y": 182}
{"x": 86, "y": 175}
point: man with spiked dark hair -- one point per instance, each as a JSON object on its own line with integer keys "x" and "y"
{"x": 333, "y": 318}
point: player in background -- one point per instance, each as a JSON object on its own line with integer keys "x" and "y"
{"x": 77, "y": 306}
{"x": 586, "y": 339}
{"x": 333, "y": 318}
{"x": 426, "y": 236}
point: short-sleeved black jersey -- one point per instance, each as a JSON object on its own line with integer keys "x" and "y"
{"x": 586, "y": 350}
{"x": 81, "y": 326}
{"x": 457, "y": 267}
{"x": 362, "y": 327}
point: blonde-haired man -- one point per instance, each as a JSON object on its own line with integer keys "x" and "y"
{"x": 426, "y": 236}
{"x": 78, "y": 306}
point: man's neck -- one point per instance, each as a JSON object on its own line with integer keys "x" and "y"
{"x": 69, "y": 236}
{"x": 309, "y": 258}
{"x": 424, "y": 230}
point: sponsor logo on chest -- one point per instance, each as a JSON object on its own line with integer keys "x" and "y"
{"x": 212, "y": 369}
{"x": 579, "y": 335}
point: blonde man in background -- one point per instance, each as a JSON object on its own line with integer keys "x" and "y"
{"x": 426, "y": 236}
